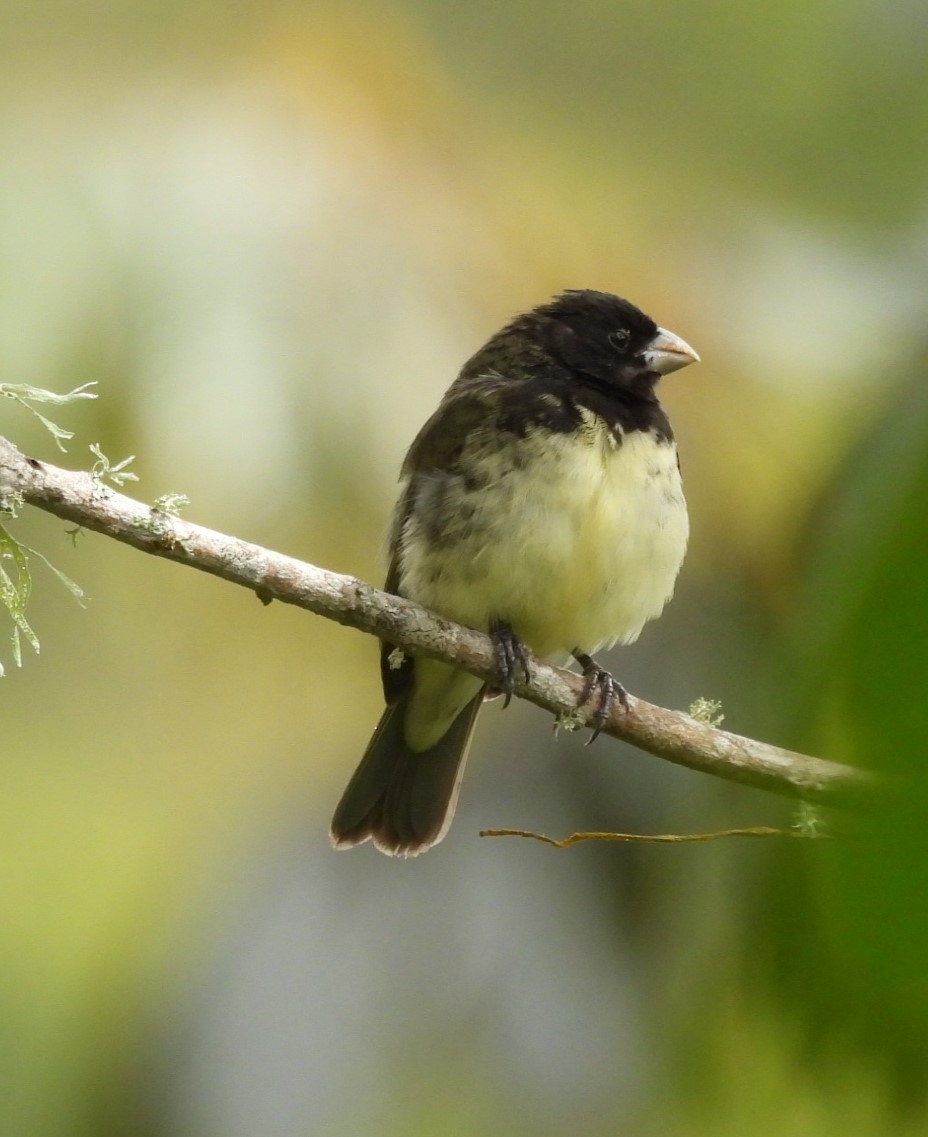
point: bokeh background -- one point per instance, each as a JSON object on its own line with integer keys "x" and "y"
{"x": 272, "y": 232}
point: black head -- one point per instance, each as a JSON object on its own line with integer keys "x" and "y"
{"x": 607, "y": 339}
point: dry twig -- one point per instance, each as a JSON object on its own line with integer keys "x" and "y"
{"x": 657, "y": 838}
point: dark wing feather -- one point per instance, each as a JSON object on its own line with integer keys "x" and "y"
{"x": 437, "y": 446}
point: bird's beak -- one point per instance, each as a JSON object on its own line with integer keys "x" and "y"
{"x": 667, "y": 352}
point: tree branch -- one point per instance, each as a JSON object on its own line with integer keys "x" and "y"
{"x": 79, "y": 497}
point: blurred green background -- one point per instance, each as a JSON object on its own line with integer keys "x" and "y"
{"x": 273, "y": 232}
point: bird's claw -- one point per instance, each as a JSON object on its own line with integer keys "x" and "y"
{"x": 607, "y": 690}
{"x": 512, "y": 657}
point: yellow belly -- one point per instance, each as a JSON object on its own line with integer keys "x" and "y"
{"x": 576, "y": 542}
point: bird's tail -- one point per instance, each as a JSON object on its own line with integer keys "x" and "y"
{"x": 403, "y": 799}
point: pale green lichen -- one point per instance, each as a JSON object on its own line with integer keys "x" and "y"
{"x": 708, "y": 711}
{"x": 171, "y": 503}
{"x": 11, "y": 502}
{"x": 570, "y": 720}
{"x": 25, "y": 396}
{"x": 103, "y": 470}
{"x": 15, "y": 569}
{"x": 15, "y": 590}
{"x": 809, "y": 821}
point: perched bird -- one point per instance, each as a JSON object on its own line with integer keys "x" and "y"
{"x": 542, "y": 504}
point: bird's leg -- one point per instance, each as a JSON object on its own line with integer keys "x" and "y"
{"x": 512, "y": 656}
{"x": 609, "y": 689}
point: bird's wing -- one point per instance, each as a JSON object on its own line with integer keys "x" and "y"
{"x": 437, "y": 447}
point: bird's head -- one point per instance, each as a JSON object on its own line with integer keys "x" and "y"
{"x": 608, "y": 339}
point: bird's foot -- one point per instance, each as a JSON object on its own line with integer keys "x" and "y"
{"x": 512, "y": 657}
{"x": 606, "y": 689}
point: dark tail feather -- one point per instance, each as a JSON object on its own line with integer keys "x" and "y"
{"x": 404, "y": 799}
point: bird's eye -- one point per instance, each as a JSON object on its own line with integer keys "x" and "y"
{"x": 619, "y": 339}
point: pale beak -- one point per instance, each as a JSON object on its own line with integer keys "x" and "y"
{"x": 667, "y": 352}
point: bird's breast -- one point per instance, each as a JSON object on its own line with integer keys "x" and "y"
{"x": 575, "y": 539}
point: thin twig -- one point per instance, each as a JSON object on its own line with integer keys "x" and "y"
{"x": 657, "y": 838}
{"x": 78, "y": 497}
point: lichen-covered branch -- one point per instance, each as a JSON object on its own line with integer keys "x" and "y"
{"x": 80, "y": 497}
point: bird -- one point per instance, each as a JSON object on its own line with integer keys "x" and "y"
{"x": 542, "y": 504}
